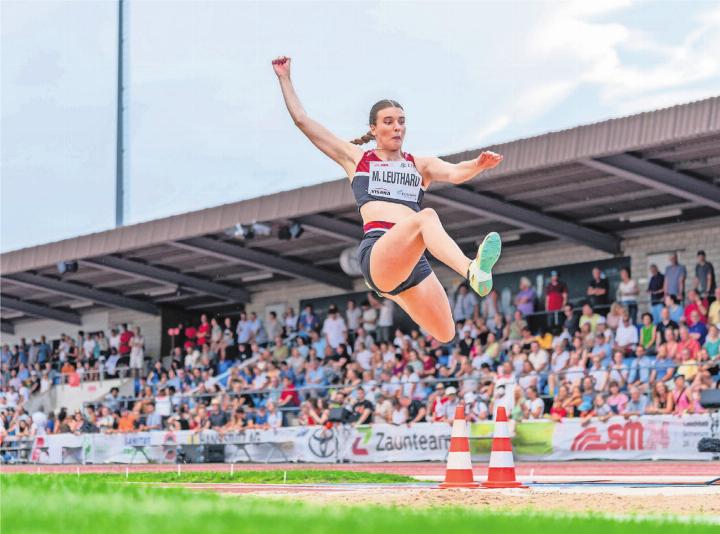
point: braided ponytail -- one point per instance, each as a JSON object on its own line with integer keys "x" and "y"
{"x": 364, "y": 139}
{"x": 378, "y": 106}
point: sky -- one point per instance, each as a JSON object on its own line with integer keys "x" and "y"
{"x": 206, "y": 124}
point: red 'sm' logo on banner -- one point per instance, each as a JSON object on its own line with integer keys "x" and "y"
{"x": 625, "y": 437}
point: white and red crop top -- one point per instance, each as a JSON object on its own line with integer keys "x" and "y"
{"x": 389, "y": 181}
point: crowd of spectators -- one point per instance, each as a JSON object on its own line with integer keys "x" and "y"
{"x": 596, "y": 359}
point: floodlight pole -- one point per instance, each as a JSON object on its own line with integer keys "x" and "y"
{"x": 120, "y": 185}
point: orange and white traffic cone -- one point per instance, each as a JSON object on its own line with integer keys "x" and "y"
{"x": 501, "y": 472}
{"x": 459, "y": 472}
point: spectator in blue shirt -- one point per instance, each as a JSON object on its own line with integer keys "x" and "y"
{"x": 676, "y": 311}
{"x": 675, "y": 276}
{"x": 664, "y": 367}
{"x": 308, "y": 319}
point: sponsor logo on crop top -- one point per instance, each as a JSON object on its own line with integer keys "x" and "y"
{"x": 398, "y": 180}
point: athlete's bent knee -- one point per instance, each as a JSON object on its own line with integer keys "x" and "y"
{"x": 446, "y": 334}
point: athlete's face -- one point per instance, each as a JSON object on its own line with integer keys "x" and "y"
{"x": 389, "y": 128}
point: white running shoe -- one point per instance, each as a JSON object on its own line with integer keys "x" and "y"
{"x": 480, "y": 270}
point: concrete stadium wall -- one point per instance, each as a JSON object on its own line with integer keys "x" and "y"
{"x": 91, "y": 322}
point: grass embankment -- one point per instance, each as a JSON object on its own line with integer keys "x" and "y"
{"x": 87, "y": 504}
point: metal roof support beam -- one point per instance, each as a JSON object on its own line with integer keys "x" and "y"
{"x": 38, "y": 310}
{"x": 6, "y": 327}
{"x": 528, "y": 219}
{"x": 657, "y": 177}
{"x": 331, "y": 227}
{"x": 265, "y": 261}
{"x": 157, "y": 274}
{"x": 76, "y": 290}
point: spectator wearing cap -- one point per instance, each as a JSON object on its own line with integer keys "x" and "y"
{"x": 448, "y": 407}
{"x": 556, "y": 297}
{"x": 704, "y": 282}
{"x": 598, "y": 289}
{"x": 675, "y": 276}
{"x": 656, "y": 292}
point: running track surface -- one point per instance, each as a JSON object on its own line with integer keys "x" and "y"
{"x": 709, "y": 469}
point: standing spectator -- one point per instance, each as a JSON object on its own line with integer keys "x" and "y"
{"x": 369, "y": 318}
{"x": 598, "y": 289}
{"x": 244, "y": 330}
{"x": 125, "y": 337}
{"x": 290, "y": 320}
{"x": 385, "y": 317}
{"x": 258, "y": 329}
{"x": 465, "y": 305}
{"x": 203, "y": 331}
{"x": 273, "y": 327}
{"x": 115, "y": 340}
{"x": 309, "y": 320}
{"x": 556, "y": 297}
{"x": 525, "y": 298}
{"x": 334, "y": 328}
{"x": 628, "y": 292}
{"x": 675, "y": 276}
{"x": 353, "y": 316}
{"x": 656, "y": 290}
{"x": 704, "y": 282}
{"x": 137, "y": 352}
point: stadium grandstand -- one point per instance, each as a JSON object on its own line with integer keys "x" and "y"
{"x": 254, "y": 314}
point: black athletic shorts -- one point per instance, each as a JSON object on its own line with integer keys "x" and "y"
{"x": 419, "y": 273}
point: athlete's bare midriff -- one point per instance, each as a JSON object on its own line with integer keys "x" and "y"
{"x": 377, "y": 210}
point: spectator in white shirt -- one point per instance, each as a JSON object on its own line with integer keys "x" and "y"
{"x": 533, "y": 406}
{"x": 626, "y": 336}
{"x": 465, "y": 305}
{"x": 353, "y": 316}
{"x": 369, "y": 318}
{"x": 290, "y": 320}
{"x": 334, "y": 328}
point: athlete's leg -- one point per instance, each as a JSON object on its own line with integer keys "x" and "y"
{"x": 427, "y": 304}
{"x": 396, "y": 253}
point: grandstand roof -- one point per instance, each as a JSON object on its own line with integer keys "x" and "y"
{"x": 586, "y": 185}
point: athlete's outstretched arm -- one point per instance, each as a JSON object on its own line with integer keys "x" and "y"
{"x": 342, "y": 152}
{"x": 436, "y": 170}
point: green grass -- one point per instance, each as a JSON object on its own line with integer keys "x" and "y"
{"x": 249, "y": 477}
{"x": 62, "y": 503}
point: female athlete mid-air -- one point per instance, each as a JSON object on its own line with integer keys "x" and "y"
{"x": 389, "y": 186}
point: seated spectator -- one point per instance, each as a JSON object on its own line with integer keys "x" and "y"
{"x": 648, "y": 334}
{"x": 599, "y": 373}
{"x": 637, "y": 405}
{"x": 618, "y": 370}
{"x": 714, "y": 310}
{"x": 616, "y": 399}
{"x": 416, "y": 411}
{"x": 475, "y": 408}
{"x": 681, "y": 396}
{"x": 641, "y": 368}
{"x": 599, "y": 410}
{"x": 675, "y": 311}
{"x": 712, "y": 342}
{"x": 274, "y": 416}
{"x": 686, "y": 342}
{"x": 558, "y": 412}
{"x": 697, "y": 329}
{"x": 533, "y": 407}
{"x": 695, "y": 303}
{"x": 662, "y": 400}
{"x": 589, "y": 316}
{"x": 626, "y": 337}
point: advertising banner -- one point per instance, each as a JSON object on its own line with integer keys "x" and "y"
{"x": 647, "y": 438}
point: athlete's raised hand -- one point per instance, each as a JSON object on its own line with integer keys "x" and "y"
{"x": 487, "y": 160}
{"x": 281, "y": 66}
